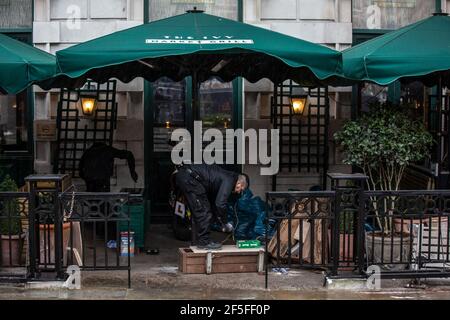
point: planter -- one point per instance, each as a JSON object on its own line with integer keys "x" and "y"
{"x": 405, "y": 227}
{"x": 346, "y": 251}
{"x": 47, "y": 242}
{"x": 12, "y": 250}
{"x": 346, "y": 254}
{"x": 392, "y": 254}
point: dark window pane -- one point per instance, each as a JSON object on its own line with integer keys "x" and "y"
{"x": 389, "y": 14}
{"x": 160, "y": 9}
{"x": 169, "y": 103}
{"x": 16, "y": 14}
{"x": 372, "y": 94}
{"x": 13, "y": 121}
{"x": 216, "y": 104}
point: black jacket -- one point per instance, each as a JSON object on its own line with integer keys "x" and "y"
{"x": 97, "y": 162}
{"x": 219, "y": 184}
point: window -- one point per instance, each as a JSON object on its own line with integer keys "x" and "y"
{"x": 14, "y": 113}
{"x": 13, "y": 122}
{"x": 16, "y": 14}
{"x": 389, "y": 14}
{"x": 160, "y": 9}
{"x": 216, "y": 104}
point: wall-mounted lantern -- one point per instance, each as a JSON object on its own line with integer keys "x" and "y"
{"x": 88, "y": 98}
{"x": 226, "y": 123}
{"x": 299, "y": 103}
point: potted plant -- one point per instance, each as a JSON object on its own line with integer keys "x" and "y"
{"x": 11, "y": 233}
{"x": 383, "y": 142}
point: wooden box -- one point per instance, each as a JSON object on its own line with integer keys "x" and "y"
{"x": 228, "y": 260}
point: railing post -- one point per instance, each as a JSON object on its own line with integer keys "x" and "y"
{"x": 350, "y": 186}
{"x": 58, "y": 214}
{"x": 32, "y": 234}
{"x": 360, "y": 233}
{"x": 52, "y": 185}
{"x": 266, "y": 245}
{"x": 335, "y": 234}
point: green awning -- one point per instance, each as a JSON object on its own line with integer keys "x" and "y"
{"x": 420, "y": 51}
{"x": 21, "y": 65}
{"x": 199, "y": 43}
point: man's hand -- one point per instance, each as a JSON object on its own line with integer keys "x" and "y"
{"x": 134, "y": 175}
{"x": 227, "y": 228}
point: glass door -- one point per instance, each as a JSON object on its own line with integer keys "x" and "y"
{"x": 171, "y": 107}
{"x": 169, "y": 113}
{"x": 16, "y": 123}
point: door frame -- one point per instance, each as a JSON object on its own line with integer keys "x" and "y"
{"x": 25, "y": 155}
{"x": 148, "y": 115}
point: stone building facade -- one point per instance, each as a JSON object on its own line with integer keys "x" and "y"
{"x": 58, "y": 24}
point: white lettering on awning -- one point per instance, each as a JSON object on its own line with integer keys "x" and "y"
{"x": 176, "y": 41}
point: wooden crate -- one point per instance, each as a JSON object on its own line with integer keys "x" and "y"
{"x": 228, "y": 260}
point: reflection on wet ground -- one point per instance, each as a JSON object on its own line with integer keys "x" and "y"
{"x": 157, "y": 277}
{"x": 199, "y": 293}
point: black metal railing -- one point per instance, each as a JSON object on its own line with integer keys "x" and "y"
{"x": 346, "y": 231}
{"x": 304, "y": 222}
{"x": 96, "y": 231}
{"x": 410, "y": 237}
{"x": 43, "y": 232}
{"x": 13, "y": 235}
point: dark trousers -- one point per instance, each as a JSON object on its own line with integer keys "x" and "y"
{"x": 197, "y": 198}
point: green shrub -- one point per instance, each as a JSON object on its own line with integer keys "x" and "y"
{"x": 10, "y": 222}
{"x": 346, "y": 221}
{"x": 383, "y": 142}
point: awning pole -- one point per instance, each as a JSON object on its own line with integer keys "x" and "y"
{"x": 195, "y": 108}
{"x": 195, "y": 96}
{"x": 441, "y": 107}
{"x": 438, "y": 6}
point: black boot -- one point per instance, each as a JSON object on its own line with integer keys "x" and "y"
{"x": 210, "y": 246}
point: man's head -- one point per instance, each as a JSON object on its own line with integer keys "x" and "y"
{"x": 241, "y": 184}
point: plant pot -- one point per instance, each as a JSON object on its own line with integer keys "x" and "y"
{"x": 404, "y": 227}
{"x": 12, "y": 250}
{"x": 346, "y": 251}
{"x": 379, "y": 253}
{"x": 47, "y": 242}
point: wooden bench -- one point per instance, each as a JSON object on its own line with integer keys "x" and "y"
{"x": 229, "y": 259}
{"x": 416, "y": 179}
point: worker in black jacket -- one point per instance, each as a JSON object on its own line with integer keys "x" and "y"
{"x": 97, "y": 165}
{"x": 202, "y": 183}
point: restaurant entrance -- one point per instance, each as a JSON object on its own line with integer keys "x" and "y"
{"x": 171, "y": 108}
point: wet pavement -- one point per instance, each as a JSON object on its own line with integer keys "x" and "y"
{"x": 208, "y": 293}
{"x": 157, "y": 277}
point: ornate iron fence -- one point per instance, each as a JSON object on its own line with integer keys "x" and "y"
{"x": 96, "y": 232}
{"x": 304, "y": 225}
{"x": 411, "y": 232}
{"x": 43, "y": 232}
{"x": 14, "y": 234}
{"x": 346, "y": 232}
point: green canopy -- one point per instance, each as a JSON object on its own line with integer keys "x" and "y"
{"x": 22, "y": 65}
{"x": 420, "y": 51}
{"x": 198, "y": 44}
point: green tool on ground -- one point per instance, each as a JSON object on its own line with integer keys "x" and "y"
{"x": 248, "y": 244}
